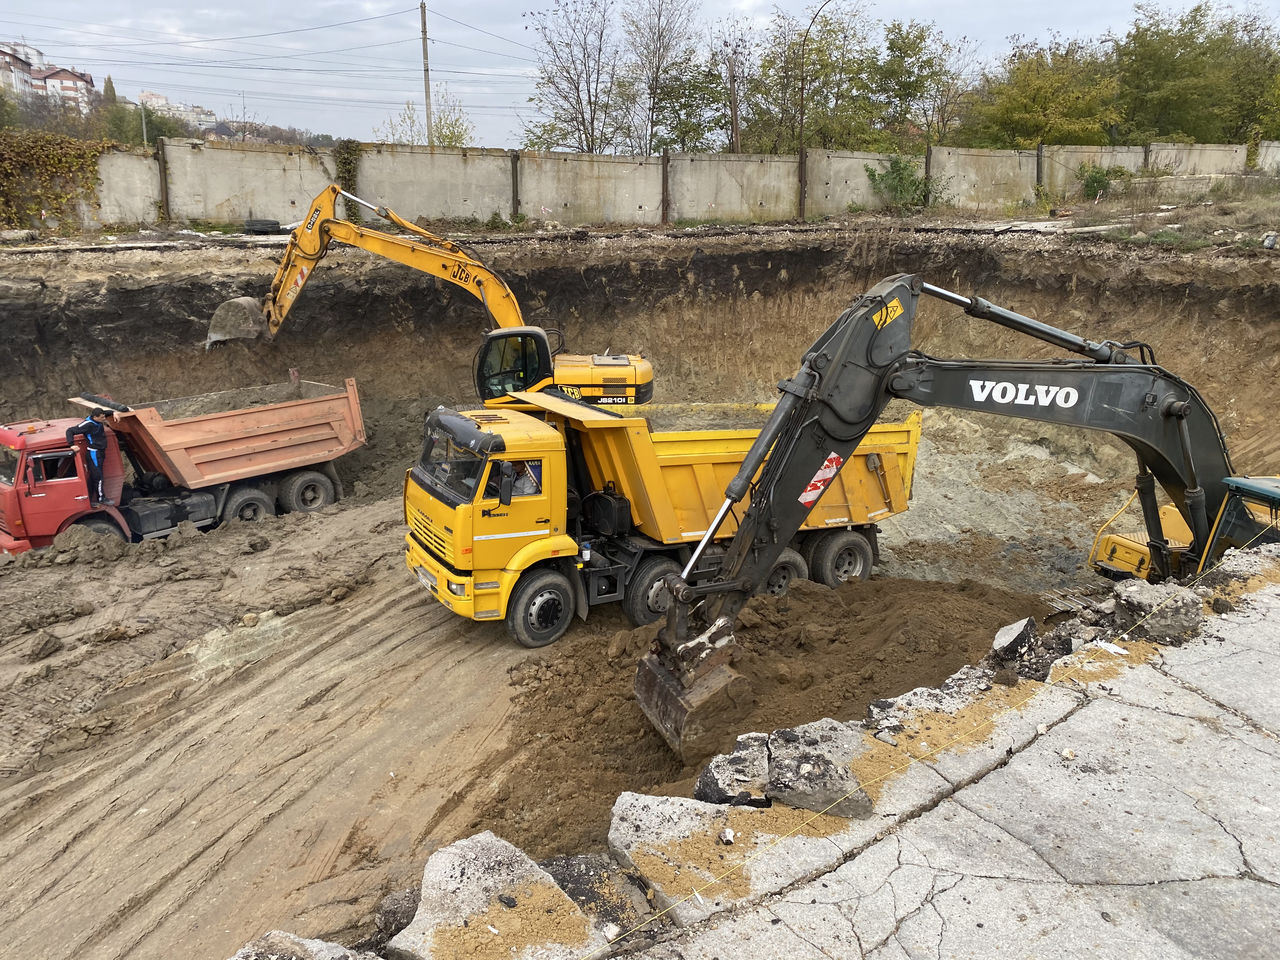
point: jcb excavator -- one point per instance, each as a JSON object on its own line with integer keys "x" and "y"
{"x": 687, "y": 686}
{"x": 513, "y": 356}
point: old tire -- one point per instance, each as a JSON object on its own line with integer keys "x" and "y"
{"x": 540, "y": 608}
{"x": 248, "y": 504}
{"x": 841, "y": 556}
{"x": 790, "y": 566}
{"x": 261, "y": 226}
{"x": 102, "y": 526}
{"x": 647, "y": 599}
{"x": 306, "y": 492}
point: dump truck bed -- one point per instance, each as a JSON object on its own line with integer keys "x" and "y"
{"x": 233, "y": 435}
{"x": 676, "y": 480}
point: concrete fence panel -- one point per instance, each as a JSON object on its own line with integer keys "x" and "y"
{"x": 1269, "y": 157}
{"x": 984, "y": 180}
{"x": 736, "y": 188}
{"x": 237, "y": 181}
{"x": 582, "y": 188}
{"x": 128, "y": 192}
{"x": 436, "y": 182}
{"x": 838, "y": 179}
{"x": 1061, "y": 167}
{"x": 1196, "y": 159}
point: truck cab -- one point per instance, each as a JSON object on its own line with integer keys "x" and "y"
{"x": 44, "y": 483}
{"x": 486, "y": 501}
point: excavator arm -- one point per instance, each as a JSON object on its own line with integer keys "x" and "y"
{"x": 687, "y": 687}
{"x": 422, "y": 250}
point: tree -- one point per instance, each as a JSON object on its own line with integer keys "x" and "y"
{"x": 915, "y": 82}
{"x": 578, "y": 92}
{"x": 660, "y": 54}
{"x": 693, "y": 115}
{"x": 1063, "y": 92}
{"x": 1196, "y": 76}
{"x": 108, "y": 92}
{"x": 449, "y": 124}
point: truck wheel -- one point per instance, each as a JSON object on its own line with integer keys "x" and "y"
{"x": 790, "y": 567}
{"x": 647, "y": 599}
{"x": 249, "y": 504}
{"x": 841, "y": 556}
{"x": 306, "y": 492}
{"x": 540, "y": 609}
{"x": 102, "y": 527}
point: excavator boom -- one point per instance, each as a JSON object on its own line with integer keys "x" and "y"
{"x": 687, "y": 686}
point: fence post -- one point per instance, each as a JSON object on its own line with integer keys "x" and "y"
{"x": 162, "y": 163}
{"x": 666, "y": 185}
{"x": 804, "y": 179}
{"x": 515, "y": 185}
{"x": 1040, "y": 165}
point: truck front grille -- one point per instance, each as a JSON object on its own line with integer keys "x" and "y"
{"x": 429, "y": 536}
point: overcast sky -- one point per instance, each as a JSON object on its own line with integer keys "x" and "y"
{"x": 345, "y": 68}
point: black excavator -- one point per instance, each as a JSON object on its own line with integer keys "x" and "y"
{"x": 687, "y": 686}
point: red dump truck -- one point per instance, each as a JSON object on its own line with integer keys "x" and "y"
{"x": 243, "y": 454}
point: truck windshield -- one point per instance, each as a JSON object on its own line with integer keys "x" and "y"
{"x": 450, "y": 466}
{"x": 8, "y": 465}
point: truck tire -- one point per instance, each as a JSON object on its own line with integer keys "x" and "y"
{"x": 841, "y": 556}
{"x": 261, "y": 226}
{"x": 249, "y": 504}
{"x": 306, "y": 492}
{"x": 789, "y": 568}
{"x": 102, "y": 526}
{"x": 646, "y": 599}
{"x": 541, "y": 608}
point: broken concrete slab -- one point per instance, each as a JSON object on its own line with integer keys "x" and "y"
{"x": 1166, "y": 612}
{"x": 279, "y": 945}
{"x": 1126, "y": 794}
{"x": 810, "y": 768}
{"x": 739, "y": 777}
{"x": 1013, "y": 637}
{"x": 485, "y": 897}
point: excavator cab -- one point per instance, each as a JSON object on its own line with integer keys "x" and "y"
{"x": 512, "y": 359}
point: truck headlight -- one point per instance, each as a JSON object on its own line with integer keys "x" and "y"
{"x": 458, "y": 589}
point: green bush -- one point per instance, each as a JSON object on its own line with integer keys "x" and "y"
{"x": 901, "y": 186}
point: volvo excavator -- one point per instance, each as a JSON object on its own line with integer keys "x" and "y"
{"x": 687, "y": 686}
{"x": 514, "y": 356}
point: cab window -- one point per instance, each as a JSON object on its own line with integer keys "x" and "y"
{"x": 509, "y": 363}
{"x": 8, "y": 465}
{"x": 526, "y": 476}
{"x": 52, "y": 466}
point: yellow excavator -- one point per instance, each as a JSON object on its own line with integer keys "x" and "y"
{"x": 514, "y": 356}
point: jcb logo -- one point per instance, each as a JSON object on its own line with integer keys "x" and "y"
{"x": 890, "y": 312}
{"x": 569, "y": 391}
{"x": 1024, "y": 394}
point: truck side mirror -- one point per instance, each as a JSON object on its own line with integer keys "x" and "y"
{"x": 506, "y": 485}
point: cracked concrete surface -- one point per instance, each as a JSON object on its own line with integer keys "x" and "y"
{"x": 1144, "y": 823}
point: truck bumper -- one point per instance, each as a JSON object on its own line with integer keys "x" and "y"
{"x": 438, "y": 579}
{"x": 12, "y": 545}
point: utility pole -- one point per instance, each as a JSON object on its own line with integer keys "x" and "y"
{"x": 426, "y": 70}
{"x": 735, "y": 143}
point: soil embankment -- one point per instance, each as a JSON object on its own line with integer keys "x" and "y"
{"x": 272, "y": 726}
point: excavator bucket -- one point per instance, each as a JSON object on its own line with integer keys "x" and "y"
{"x": 238, "y": 319}
{"x": 695, "y": 720}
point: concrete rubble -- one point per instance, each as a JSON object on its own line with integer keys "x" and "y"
{"x": 1123, "y": 808}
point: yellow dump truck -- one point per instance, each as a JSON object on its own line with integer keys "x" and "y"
{"x": 532, "y": 515}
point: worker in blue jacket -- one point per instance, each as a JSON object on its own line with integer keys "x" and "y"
{"x": 94, "y": 430}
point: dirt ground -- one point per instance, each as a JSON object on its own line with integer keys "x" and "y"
{"x": 271, "y": 726}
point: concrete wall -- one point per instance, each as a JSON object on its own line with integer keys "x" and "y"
{"x": 738, "y": 188}
{"x": 232, "y": 182}
{"x": 1192, "y": 159}
{"x": 838, "y": 179}
{"x": 580, "y": 188}
{"x": 1061, "y": 165}
{"x": 134, "y": 194}
{"x": 984, "y": 180}
{"x": 228, "y": 182}
{"x": 1269, "y": 157}
{"x": 436, "y": 183}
